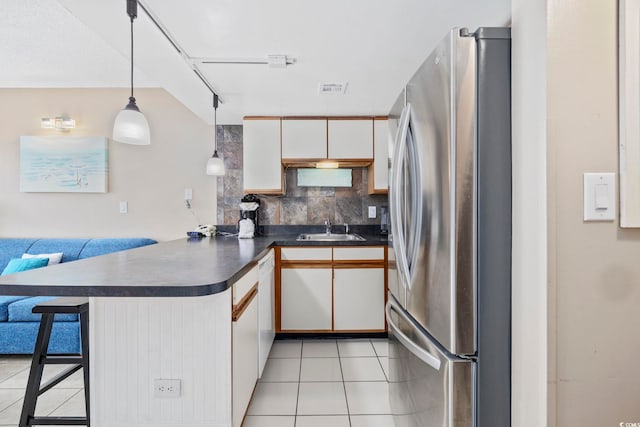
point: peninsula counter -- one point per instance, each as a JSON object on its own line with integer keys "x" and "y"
{"x": 160, "y": 312}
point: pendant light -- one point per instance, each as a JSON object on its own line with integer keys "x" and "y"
{"x": 215, "y": 165}
{"x": 131, "y": 126}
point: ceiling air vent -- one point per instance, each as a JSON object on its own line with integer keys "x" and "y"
{"x": 332, "y": 88}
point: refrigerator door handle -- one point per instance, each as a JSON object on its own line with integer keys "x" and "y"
{"x": 399, "y": 239}
{"x": 415, "y": 224}
{"x": 414, "y": 348}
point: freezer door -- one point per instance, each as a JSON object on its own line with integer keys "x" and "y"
{"x": 426, "y": 388}
{"x": 441, "y": 294}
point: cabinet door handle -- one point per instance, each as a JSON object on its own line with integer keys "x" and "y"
{"x": 240, "y": 307}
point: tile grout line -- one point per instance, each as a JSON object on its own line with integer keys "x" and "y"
{"x": 10, "y": 404}
{"x": 295, "y": 415}
{"x": 344, "y": 387}
{"x": 381, "y": 367}
{"x": 26, "y": 368}
{"x": 63, "y": 403}
{"x": 375, "y": 351}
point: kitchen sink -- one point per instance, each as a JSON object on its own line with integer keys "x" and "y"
{"x": 330, "y": 237}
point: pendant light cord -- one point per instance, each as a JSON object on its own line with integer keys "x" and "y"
{"x": 132, "y": 11}
{"x": 215, "y": 123}
{"x": 132, "y": 57}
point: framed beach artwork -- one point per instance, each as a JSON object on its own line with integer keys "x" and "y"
{"x": 63, "y": 164}
{"x": 629, "y": 110}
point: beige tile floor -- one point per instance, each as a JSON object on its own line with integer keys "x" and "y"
{"x": 323, "y": 383}
{"x": 306, "y": 383}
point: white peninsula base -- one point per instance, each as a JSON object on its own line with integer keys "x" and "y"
{"x": 135, "y": 341}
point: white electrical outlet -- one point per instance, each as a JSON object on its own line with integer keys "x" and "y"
{"x": 124, "y": 207}
{"x": 166, "y": 388}
{"x": 188, "y": 194}
{"x": 372, "y": 211}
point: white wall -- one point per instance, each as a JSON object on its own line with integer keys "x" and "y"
{"x": 529, "y": 337}
{"x": 594, "y": 274}
{"x": 151, "y": 178}
{"x": 576, "y": 284}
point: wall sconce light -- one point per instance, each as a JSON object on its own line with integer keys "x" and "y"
{"x": 62, "y": 124}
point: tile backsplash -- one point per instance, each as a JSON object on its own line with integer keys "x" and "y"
{"x": 300, "y": 205}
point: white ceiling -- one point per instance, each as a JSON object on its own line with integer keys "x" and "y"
{"x": 374, "y": 45}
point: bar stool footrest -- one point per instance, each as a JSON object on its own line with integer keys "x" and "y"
{"x": 60, "y": 360}
{"x": 58, "y": 421}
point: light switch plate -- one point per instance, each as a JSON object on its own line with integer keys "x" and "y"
{"x": 599, "y": 196}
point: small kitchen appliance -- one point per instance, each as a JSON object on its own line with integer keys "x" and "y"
{"x": 384, "y": 220}
{"x": 249, "y": 223}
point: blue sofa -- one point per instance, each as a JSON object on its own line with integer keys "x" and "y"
{"x": 18, "y": 325}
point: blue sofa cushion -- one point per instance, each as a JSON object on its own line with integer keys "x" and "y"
{"x": 4, "y": 306}
{"x": 20, "y": 337}
{"x": 72, "y": 249}
{"x": 20, "y": 311}
{"x": 16, "y": 265}
{"x": 13, "y": 248}
{"x": 95, "y": 247}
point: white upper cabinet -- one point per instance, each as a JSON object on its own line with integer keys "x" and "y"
{"x": 304, "y": 139}
{"x": 350, "y": 138}
{"x": 379, "y": 169}
{"x": 262, "y": 166}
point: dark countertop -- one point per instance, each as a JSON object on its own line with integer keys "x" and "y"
{"x": 178, "y": 268}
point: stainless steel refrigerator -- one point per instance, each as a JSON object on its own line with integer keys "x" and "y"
{"x": 449, "y": 309}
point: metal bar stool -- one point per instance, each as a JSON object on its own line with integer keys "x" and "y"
{"x": 40, "y": 358}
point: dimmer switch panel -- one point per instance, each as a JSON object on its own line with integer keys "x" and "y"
{"x": 599, "y": 196}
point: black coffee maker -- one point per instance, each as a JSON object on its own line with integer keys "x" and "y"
{"x": 249, "y": 206}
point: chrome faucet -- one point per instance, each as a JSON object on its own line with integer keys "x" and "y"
{"x": 346, "y": 228}
{"x": 327, "y": 226}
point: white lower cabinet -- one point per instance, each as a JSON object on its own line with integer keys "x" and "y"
{"x": 244, "y": 359}
{"x": 332, "y": 289}
{"x": 306, "y": 299}
{"x": 358, "y": 299}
